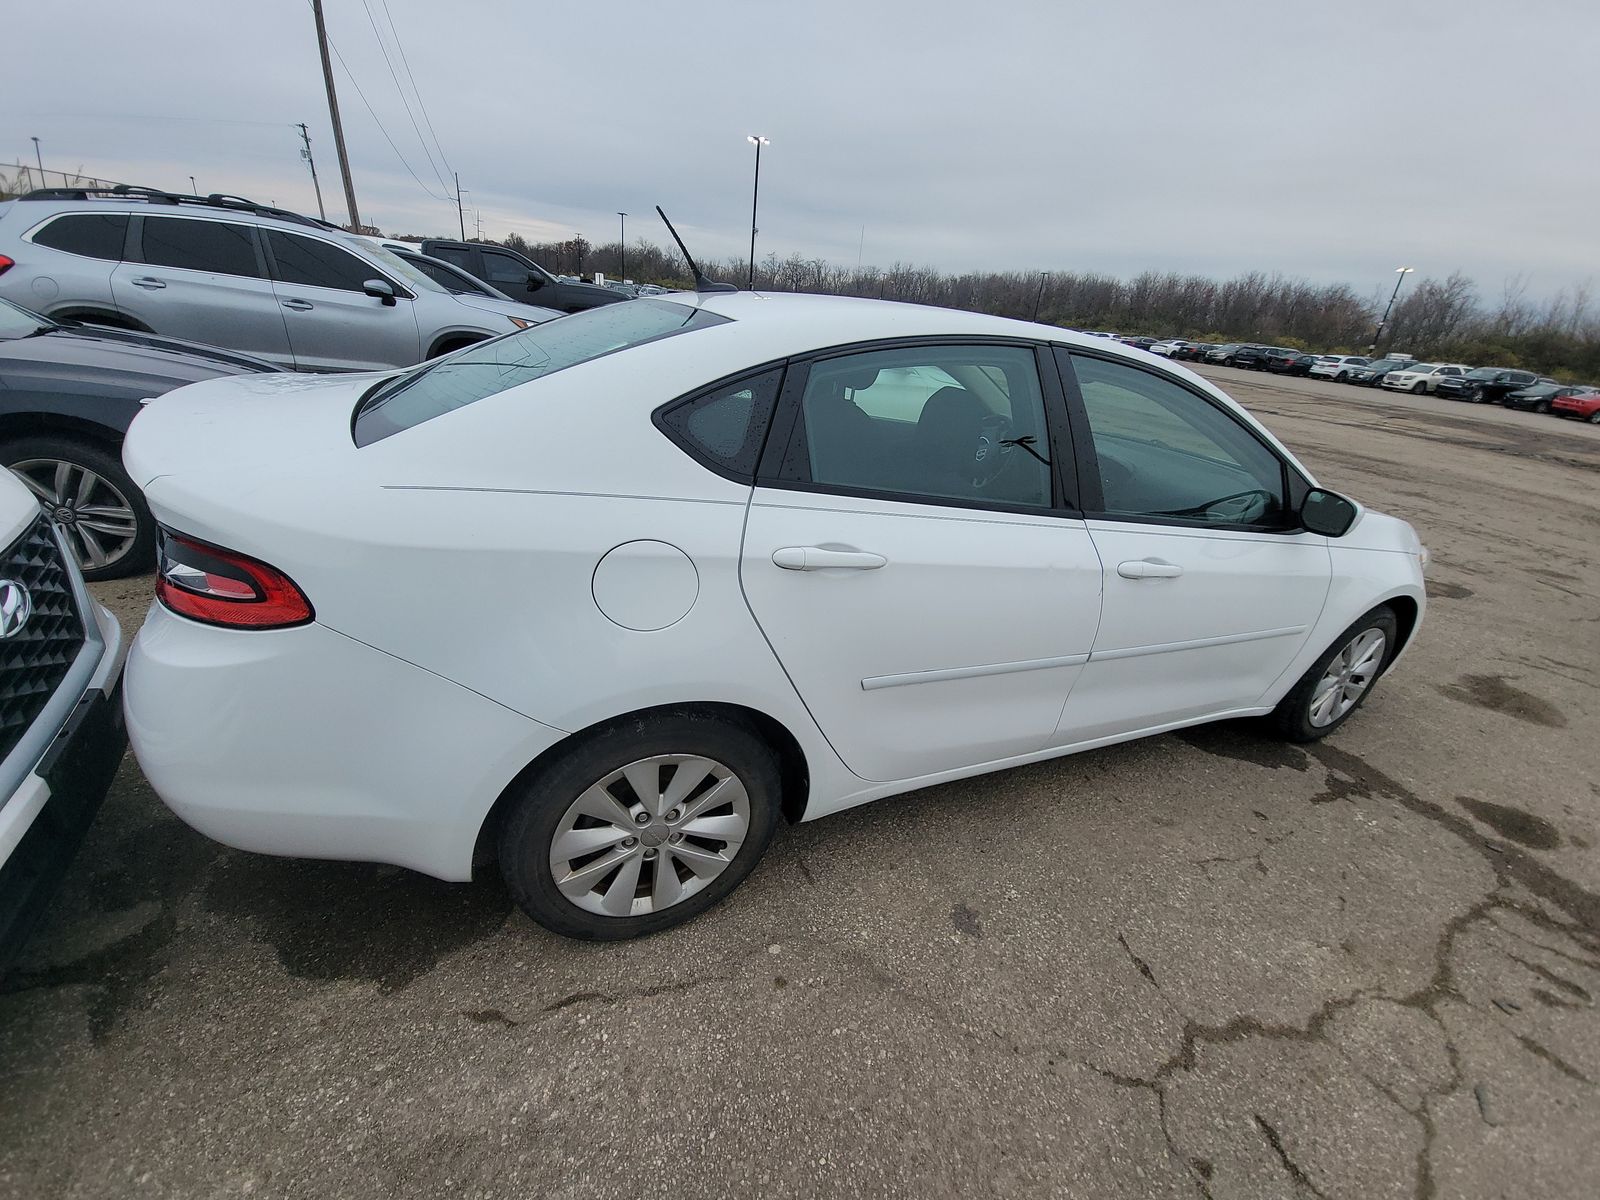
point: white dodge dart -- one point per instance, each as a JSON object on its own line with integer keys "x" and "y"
{"x": 607, "y": 599}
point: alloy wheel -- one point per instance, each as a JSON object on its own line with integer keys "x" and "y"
{"x": 649, "y": 835}
{"x": 98, "y": 520}
{"x": 1348, "y": 676}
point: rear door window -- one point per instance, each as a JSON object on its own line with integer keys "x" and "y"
{"x": 93, "y": 235}
{"x": 219, "y": 247}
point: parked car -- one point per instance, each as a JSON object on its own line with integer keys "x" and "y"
{"x": 1167, "y": 348}
{"x": 1423, "y": 377}
{"x": 1374, "y": 372}
{"x": 520, "y": 277}
{"x": 1138, "y": 341}
{"x": 1227, "y": 354}
{"x": 1484, "y": 385}
{"x": 1193, "y": 351}
{"x": 229, "y": 272}
{"x": 1289, "y": 362}
{"x": 67, "y": 395}
{"x": 1583, "y": 404}
{"x": 816, "y": 627}
{"x": 62, "y": 735}
{"x": 1539, "y": 397}
{"x": 1337, "y": 367}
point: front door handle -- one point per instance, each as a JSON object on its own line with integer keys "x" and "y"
{"x": 148, "y": 283}
{"x": 1149, "y": 568}
{"x": 819, "y": 558}
{"x": 298, "y": 305}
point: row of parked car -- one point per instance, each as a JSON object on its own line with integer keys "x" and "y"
{"x": 1508, "y": 386}
{"x": 110, "y": 297}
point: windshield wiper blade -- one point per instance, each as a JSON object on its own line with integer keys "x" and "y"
{"x": 1026, "y": 442}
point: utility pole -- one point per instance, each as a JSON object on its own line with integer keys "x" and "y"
{"x": 312, "y": 163}
{"x": 477, "y": 215}
{"x": 461, "y": 217}
{"x": 1039, "y": 295}
{"x": 622, "y": 243}
{"x": 333, "y": 115}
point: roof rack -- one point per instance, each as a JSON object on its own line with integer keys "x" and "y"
{"x": 125, "y": 191}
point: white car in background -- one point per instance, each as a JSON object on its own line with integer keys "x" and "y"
{"x": 611, "y": 597}
{"x": 1337, "y": 366}
{"x": 1166, "y": 349}
{"x": 1423, "y": 377}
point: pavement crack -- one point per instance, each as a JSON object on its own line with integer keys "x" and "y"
{"x": 1143, "y": 967}
{"x": 1295, "y": 1170}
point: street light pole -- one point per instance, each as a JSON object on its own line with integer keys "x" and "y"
{"x": 40, "y": 158}
{"x": 1378, "y": 332}
{"x": 1039, "y": 295}
{"x": 194, "y": 185}
{"x": 622, "y": 263}
{"x": 758, "y": 141}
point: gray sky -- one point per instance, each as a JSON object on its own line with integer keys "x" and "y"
{"x": 1333, "y": 142}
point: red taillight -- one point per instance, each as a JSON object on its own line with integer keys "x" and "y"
{"x": 6, "y": 264}
{"x": 221, "y": 587}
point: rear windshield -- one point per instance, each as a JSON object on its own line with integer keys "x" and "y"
{"x": 469, "y": 375}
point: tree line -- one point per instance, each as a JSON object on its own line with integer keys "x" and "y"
{"x": 1445, "y": 319}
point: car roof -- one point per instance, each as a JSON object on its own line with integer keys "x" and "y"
{"x": 46, "y": 205}
{"x": 787, "y": 323}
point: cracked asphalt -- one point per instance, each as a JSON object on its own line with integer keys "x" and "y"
{"x": 1205, "y": 964}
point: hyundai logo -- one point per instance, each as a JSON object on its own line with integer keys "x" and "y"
{"x": 16, "y": 606}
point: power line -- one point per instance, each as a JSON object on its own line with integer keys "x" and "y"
{"x": 404, "y": 103}
{"x": 406, "y": 63}
{"x": 351, "y": 77}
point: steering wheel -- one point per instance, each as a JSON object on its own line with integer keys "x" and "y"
{"x": 1241, "y": 508}
{"x": 990, "y": 456}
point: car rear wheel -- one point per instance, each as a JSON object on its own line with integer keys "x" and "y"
{"x": 84, "y": 489}
{"x": 1340, "y": 681}
{"x": 642, "y": 826}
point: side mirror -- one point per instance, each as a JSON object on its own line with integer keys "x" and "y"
{"x": 379, "y": 289}
{"x": 1327, "y": 513}
{"x": 535, "y": 281}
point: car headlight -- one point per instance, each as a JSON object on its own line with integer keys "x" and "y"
{"x": 520, "y": 323}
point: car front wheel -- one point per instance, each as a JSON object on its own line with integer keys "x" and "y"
{"x": 85, "y": 491}
{"x": 642, "y": 826}
{"x": 1340, "y": 681}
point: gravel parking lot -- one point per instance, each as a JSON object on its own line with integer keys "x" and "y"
{"x": 1204, "y": 964}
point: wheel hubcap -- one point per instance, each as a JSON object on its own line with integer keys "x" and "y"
{"x": 649, "y": 835}
{"x": 1348, "y": 677}
{"x": 99, "y": 522}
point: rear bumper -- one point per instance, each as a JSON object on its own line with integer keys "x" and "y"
{"x": 307, "y": 743}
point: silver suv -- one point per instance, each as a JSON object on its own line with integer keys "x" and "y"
{"x": 232, "y": 273}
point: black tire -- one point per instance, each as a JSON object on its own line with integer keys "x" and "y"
{"x": 1542, "y": 407}
{"x": 525, "y": 838}
{"x": 1476, "y": 395}
{"x": 131, "y": 558}
{"x": 1418, "y": 388}
{"x": 1594, "y": 418}
{"x": 1292, "y": 718}
{"x": 1341, "y": 377}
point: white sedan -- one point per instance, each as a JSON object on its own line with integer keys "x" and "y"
{"x": 1423, "y": 377}
{"x": 610, "y": 598}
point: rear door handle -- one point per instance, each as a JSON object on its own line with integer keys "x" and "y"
{"x": 298, "y": 305}
{"x": 1149, "y": 568}
{"x": 818, "y": 558}
{"x": 148, "y": 283}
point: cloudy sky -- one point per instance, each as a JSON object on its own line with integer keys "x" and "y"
{"x": 1333, "y": 142}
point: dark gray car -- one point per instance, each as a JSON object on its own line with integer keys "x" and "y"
{"x": 67, "y": 395}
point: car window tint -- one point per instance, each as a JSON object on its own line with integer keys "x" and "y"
{"x": 94, "y": 235}
{"x": 500, "y": 268}
{"x": 451, "y": 254}
{"x": 310, "y": 262}
{"x": 1167, "y": 454}
{"x": 455, "y": 283}
{"x": 199, "y": 245}
{"x": 467, "y": 376}
{"x": 728, "y": 425}
{"x": 927, "y": 422}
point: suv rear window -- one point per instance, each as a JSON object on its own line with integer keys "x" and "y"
{"x": 469, "y": 375}
{"x": 219, "y": 247}
{"x": 94, "y": 235}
